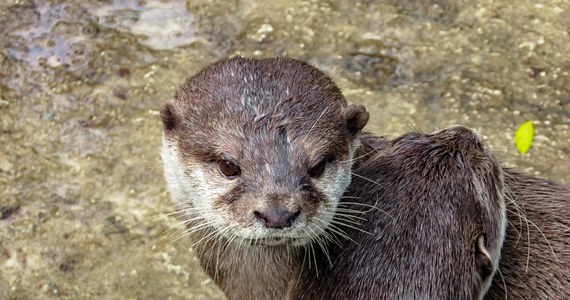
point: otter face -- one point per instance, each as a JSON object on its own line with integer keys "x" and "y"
{"x": 260, "y": 150}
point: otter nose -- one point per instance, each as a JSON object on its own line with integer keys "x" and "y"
{"x": 277, "y": 218}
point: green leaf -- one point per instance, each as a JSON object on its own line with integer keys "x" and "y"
{"x": 524, "y": 137}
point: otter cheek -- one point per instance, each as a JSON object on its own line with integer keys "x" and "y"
{"x": 332, "y": 185}
{"x": 204, "y": 189}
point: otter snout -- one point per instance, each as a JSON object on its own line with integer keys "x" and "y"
{"x": 277, "y": 218}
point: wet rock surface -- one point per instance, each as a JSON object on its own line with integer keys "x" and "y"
{"x": 84, "y": 210}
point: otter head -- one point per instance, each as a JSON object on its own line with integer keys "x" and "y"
{"x": 260, "y": 150}
{"x": 458, "y": 219}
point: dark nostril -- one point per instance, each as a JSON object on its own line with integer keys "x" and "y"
{"x": 295, "y": 216}
{"x": 277, "y": 218}
{"x": 259, "y": 216}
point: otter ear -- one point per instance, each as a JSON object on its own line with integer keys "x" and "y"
{"x": 483, "y": 259}
{"x": 356, "y": 118}
{"x": 170, "y": 116}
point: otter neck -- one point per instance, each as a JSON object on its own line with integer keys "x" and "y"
{"x": 244, "y": 271}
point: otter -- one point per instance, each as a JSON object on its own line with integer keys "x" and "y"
{"x": 434, "y": 228}
{"x": 278, "y": 187}
{"x": 535, "y": 257}
{"x": 257, "y": 155}
{"x": 422, "y": 183}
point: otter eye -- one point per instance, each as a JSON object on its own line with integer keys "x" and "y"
{"x": 318, "y": 169}
{"x": 228, "y": 168}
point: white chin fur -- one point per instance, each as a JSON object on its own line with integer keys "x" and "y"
{"x": 193, "y": 190}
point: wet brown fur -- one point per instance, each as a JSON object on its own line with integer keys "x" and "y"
{"x": 535, "y": 259}
{"x": 420, "y": 242}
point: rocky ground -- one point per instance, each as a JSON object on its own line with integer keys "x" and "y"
{"x": 84, "y": 213}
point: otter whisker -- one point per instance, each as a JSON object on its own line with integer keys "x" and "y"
{"x": 300, "y": 272}
{"x": 504, "y": 282}
{"x": 521, "y": 211}
{"x": 180, "y": 226}
{"x": 335, "y": 229}
{"x": 154, "y": 166}
{"x": 518, "y": 213}
{"x": 347, "y": 220}
{"x": 172, "y": 213}
{"x": 177, "y": 227}
{"x": 228, "y": 244}
{"x": 154, "y": 218}
{"x": 209, "y": 256}
{"x": 367, "y": 179}
{"x": 510, "y": 197}
{"x": 374, "y": 150}
{"x": 189, "y": 232}
{"x": 327, "y": 235}
{"x": 350, "y": 226}
{"x": 315, "y": 259}
{"x": 351, "y": 197}
{"x": 220, "y": 251}
{"x": 349, "y": 216}
{"x": 350, "y": 209}
{"x": 409, "y": 124}
{"x": 515, "y": 228}
{"x": 320, "y": 243}
{"x": 361, "y": 204}
{"x": 371, "y": 207}
{"x": 213, "y": 239}
{"x": 312, "y": 252}
{"x": 544, "y": 236}
{"x": 307, "y": 248}
{"x": 332, "y": 238}
{"x": 314, "y": 124}
{"x": 207, "y": 237}
{"x": 177, "y": 247}
{"x": 176, "y": 233}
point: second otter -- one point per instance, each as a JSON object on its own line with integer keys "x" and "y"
{"x": 424, "y": 184}
{"x": 434, "y": 232}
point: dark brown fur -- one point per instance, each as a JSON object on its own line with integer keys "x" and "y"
{"x": 535, "y": 256}
{"x": 535, "y": 259}
{"x": 422, "y": 238}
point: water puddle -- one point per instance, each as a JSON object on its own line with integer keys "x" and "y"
{"x": 161, "y": 25}
{"x": 60, "y": 35}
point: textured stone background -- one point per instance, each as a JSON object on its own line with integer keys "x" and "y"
{"x": 83, "y": 204}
